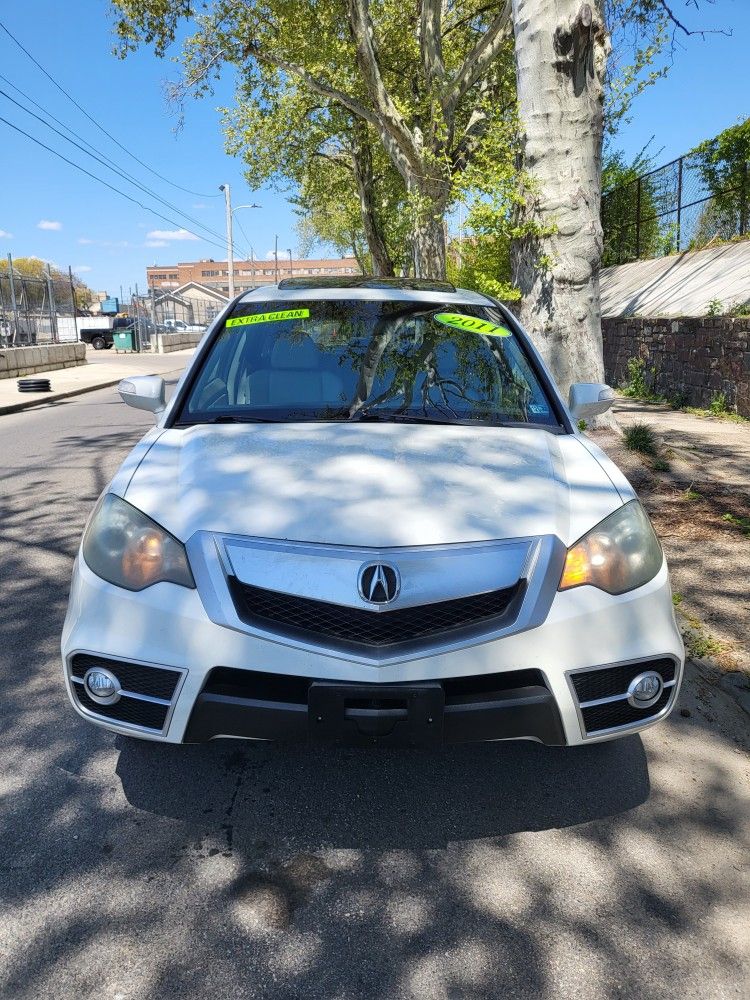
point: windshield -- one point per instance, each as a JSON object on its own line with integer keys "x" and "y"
{"x": 359, "y": 360}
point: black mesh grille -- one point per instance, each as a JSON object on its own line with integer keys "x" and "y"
{"x": 608, "y": 681}
{"x": 137, "y": 713}
{"x": 157, "y": 682}
{"x": 322, "y": 621}
{"x": 620, "y": 713}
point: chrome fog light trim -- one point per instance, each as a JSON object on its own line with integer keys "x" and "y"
{"x": 645, "y": 689}
{"x": 102, "y": 686}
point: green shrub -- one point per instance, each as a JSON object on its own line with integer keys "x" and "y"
{"x": 715, "y": 308}
{"x": 636, "y": 384}
{"x": 719, "y": 403}
{"x": 640, "y": 437}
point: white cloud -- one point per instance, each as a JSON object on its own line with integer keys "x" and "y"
{"x": 5, "y": 235}
{"x": 81, "y": 268}
{"x": 171, "y": 234}
{"x": 156, "y": 243}
{"x": 199, "y": 204}
{"x": 85, "y": 241}
{"x": 49, "y": 224}
{"x": 271, "y": 255}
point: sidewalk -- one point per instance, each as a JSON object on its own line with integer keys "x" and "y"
{"x": 103, "y": 368}
{"x": 700, "y": 506}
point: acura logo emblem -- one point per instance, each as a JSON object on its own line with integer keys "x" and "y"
{"x": 379, "y": 583}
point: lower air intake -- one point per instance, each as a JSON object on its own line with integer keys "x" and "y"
{"x": 146, "y": 697}
{"x": 602, "y": 695}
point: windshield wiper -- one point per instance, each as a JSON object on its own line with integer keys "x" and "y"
{"x": 398, "y": 418}
{"x": 230, "y": 418}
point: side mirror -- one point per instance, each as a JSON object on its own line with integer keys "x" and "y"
{"x": 589, "y": 399}
{"x": 144, "y": 392}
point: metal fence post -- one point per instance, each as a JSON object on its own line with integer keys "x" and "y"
{"x": 52, "y": 306}
{"x": 679, "y": 203}
{"x": 73, "y": 301}
{"x": 743, "y": 201}
{"x": 638, "y": 221}
{"x": 14, "y": 305}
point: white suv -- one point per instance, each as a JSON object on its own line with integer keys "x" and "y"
{"x": 367, "y": 516}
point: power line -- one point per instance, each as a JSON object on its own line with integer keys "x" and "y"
{"x": 125, "y": 176}
{"x": 83, "y": 170}
{"x": 97, "y": 124}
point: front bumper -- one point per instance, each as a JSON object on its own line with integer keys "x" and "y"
{"x": 167, "y": 626}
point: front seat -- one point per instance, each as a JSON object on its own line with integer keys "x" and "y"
{"x": 294, "y": 377}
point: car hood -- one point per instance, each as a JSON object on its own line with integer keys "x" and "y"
{"x": 377, "y": 485}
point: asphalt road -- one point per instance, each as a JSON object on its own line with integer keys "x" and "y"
{"x": 132, "y": 870}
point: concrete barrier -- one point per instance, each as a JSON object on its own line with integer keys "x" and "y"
{"x": 18, "y": 361}
{"x": 164, "y": 343}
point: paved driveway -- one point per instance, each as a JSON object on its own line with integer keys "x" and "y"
{"x": 130, "y": 870}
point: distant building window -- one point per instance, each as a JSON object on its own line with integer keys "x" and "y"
{"x": 209, "y": 274}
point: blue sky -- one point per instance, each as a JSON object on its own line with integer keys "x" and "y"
{"x": 49, "y": 209}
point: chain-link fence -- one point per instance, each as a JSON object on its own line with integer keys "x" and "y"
{"x": 36, "y": 309}
{"x": 687, "y": 204}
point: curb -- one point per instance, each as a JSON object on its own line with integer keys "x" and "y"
{"x": 26, "y": 404}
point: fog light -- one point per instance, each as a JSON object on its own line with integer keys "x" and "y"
{"x": 645, "y": 689}
{"x": 101, "y": 686}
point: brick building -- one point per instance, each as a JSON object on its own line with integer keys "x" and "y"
{"x": 247, "y": 274}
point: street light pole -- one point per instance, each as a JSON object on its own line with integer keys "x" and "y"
{"x": 230, "y": 242}
{"x": 276, "y": 256}
{"x": 291, "y": 266}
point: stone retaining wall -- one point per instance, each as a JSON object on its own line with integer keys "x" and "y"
{"x": 18, "y": 361}
{"x": 695, "y": 359}
{"x": 165, "y": 343}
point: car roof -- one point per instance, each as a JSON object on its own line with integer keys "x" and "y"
{"x": 367, "y": 290}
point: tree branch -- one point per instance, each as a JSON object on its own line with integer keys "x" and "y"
{"x": 481, "y": 56}
{"x": 691, "y": 31}
{"x": 388, "y": 115}
{"x": 431, "y": 41}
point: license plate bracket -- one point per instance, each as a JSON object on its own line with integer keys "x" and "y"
{"x": 376, "y": 715}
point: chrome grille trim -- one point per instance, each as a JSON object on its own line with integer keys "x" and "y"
{"x": 614, "y": 697}
{"x": 130, "y": 694}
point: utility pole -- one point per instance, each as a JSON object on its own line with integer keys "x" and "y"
{"x": 230, "y": 242}
{"x": 291, "y": 266}
{"x": 14, "y": 304}
{"x": 276, "y": 256}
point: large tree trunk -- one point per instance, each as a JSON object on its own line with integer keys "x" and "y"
{"x": 428, "y": 231}
{"x": 382, "y": 264}
{"x": 561, "y": 54}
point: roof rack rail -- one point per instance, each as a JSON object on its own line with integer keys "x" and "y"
{"x": 369, "y": 281}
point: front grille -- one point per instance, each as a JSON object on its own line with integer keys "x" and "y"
{"x": 150, "y": 682}
{"x": 611, "y": 684}
{"x": 336, "y": 624}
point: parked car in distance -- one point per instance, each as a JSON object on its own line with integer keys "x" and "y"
{"x": 368, "y": 516}
{"x": 180, "y": 326}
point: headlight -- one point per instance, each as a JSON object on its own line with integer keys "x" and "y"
{"x": 124, "y": 547}
{"x": 618, "y": 555}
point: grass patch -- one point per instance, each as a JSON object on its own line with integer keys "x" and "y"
{"x": 690, "y": 494}
{"x": 696, "y": 411}
{"x": 677, "y": 599}
{"x": 743, "y": 523}
{"x": 640, "y": 437}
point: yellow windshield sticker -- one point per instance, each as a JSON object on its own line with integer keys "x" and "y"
{"x": 273, "y": 317}
{"x": 472, "y": 325}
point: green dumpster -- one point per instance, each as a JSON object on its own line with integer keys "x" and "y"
{"x": 124, "y": 341}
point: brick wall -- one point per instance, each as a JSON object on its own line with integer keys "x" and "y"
{"x": 698, "y": 358}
